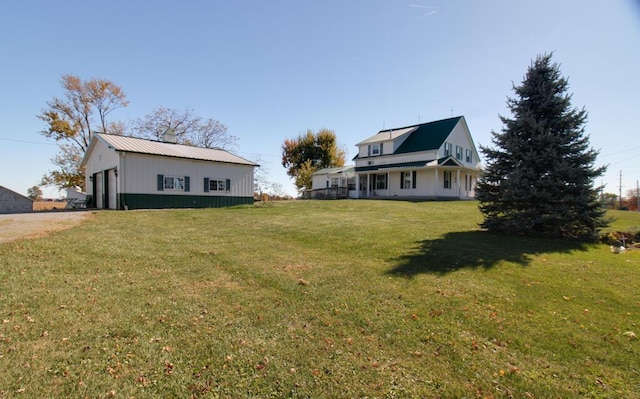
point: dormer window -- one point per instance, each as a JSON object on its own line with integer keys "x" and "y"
{"x": 375, "y": 149}
{"x": 448, "y": 149}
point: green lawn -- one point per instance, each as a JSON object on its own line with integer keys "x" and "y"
{"x": 314, "y": 299}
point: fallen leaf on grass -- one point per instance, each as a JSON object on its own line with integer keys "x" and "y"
{"x": 630, "y": 334}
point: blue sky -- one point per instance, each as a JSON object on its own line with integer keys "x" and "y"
{"x": 270, "y": 70}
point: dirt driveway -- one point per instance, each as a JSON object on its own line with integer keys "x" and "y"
{"x": 21, "y": 225}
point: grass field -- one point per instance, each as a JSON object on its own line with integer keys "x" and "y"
{"x": 49, "y": 205}
{"x": 316, "y": 299}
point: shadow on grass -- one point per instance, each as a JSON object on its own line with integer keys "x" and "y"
{"x": 475, "y": 250}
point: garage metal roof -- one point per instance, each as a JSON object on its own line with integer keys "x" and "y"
{"x": 161, "y": 148}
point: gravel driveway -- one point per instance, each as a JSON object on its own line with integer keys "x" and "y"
{"x": 20, "y": 225}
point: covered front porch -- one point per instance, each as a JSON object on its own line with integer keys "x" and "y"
{"x": 424, "y": 180}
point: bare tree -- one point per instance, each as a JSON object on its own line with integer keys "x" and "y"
{"x": 188, "y": 127}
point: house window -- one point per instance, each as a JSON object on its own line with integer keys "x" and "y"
{"x": 447, "y": 179}
{"x": 381, "y": 182}
{"x": 447, "y": 149}
{"x": 217, "y": 185}
{"x": 174, "y": 183}
{"x": 469, "y": 156}
{"x": 334, "y": 182}
{"x": 375, "y": 149}
{"x": 459, "y": 152}
{"x": 351, "y": 183}
{"x": 406, "y": 179}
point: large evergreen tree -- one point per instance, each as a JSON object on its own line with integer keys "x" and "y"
{"x": 539, "y": 178}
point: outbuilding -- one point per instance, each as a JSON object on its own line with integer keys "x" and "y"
{"x": 12, "y": 202}
{"x": 133, "y": 173}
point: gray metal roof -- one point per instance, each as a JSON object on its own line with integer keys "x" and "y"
{"x": 390, "y": 134}
{"x": 144, "y": 146}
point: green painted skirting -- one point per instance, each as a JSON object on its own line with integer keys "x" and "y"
{"x": 152, "y": 201}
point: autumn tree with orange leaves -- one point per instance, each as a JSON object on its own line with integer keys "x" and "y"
{"x": 72, "y": 120}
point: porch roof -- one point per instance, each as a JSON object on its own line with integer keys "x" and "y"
{"x": 393, "y": 166}
{"x": 446, "y": 161}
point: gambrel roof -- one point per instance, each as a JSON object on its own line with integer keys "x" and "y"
{"x": 165, "y": 149}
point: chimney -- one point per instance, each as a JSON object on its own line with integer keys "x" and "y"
{"x": 169, "y": 136}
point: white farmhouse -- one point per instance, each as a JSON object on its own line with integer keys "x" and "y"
{"x": 133, "y": 173}
{"x": 12, "y": 202}
{"x": 434, "y": 160}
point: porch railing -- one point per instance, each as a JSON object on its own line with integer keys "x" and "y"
{"x": 327, "y": 193}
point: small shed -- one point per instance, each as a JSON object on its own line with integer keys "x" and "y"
{"x": 12, "y": 202}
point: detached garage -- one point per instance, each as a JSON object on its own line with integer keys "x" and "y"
{"x": 132, "y": 173}
{"x": 12, "y": 202}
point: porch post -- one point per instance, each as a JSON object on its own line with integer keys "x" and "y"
{"x": 368, "y": 185}
{"x": 458, "y": 181}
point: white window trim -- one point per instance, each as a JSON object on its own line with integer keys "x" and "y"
{"x": 459, "y": 153}
{"x": 221, "y": 185}
{"x": 407, "y": 178}
{"x": 379, "y": 180}
{"x": 448, "y": 148}
{"x": 448, "y": 182}
{"x": 177, "y": 183}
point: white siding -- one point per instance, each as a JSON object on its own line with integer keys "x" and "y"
{"x": 460, "y": 137}
{"x": 399, "y": 158}
{"x": 141, "y": 171}
{"x": 102, "y": 158}
{"x": 319, "y": 181}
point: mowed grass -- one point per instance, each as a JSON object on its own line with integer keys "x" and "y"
{"x": 316, "y": 299}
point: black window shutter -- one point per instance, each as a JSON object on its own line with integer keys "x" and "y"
{"x": 381, "y": 149}
{"x": 228, "y": 185}
{"x": 187, "y": 185}
{"x": 160, "y": 182}
{"x": 402, "y": 180}
{"x": 369, "y": 150}
{"x": 413, "y": 178}
{"x": 206, "y": 184}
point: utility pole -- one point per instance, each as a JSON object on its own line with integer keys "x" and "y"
{"x": 620, "y": 197}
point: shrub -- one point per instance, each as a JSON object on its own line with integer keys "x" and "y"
{"x": 620, "y": 238}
